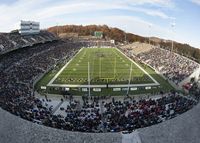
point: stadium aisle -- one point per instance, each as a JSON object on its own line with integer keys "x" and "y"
{"x": 131, "y": 138}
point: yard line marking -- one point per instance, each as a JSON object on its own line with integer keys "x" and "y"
{"x": 100, "y": 70}
{"x": 99, "y": 67}
{"x": 62, "y": 69}
{"x": 140, "y": 67}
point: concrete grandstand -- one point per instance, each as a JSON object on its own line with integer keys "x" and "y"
{"x": 30, "y": 115}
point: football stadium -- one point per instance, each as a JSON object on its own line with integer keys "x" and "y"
{"x": 96, "y": 83}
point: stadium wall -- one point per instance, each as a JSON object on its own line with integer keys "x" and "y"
{"x": 183, "y": 129}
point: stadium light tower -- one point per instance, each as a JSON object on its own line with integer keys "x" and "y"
{"x": 129, "y": 82}
{"x": 125, "y": 35}
{"x": 57, "y": 29}
{"x": 150, "y": 25}
{"x": 89, "y": 80}
{"x": 172, "y": 26}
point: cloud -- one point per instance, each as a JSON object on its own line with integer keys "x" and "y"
{"x": 49, "y": 13}
{"x": 196, "y": 2}
{"x": 159, "y": 3}
{"x": 85, "y": 6}
{"x": 151, "y": 12}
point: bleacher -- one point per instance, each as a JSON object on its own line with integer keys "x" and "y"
{"x": 12, "y": 41}
{"x": 137, "y": 48}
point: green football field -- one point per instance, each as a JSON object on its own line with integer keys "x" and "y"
{"x": 108, "y": 69}
{"x": 103, "y": 66}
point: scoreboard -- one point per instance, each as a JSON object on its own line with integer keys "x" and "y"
{"x": 29, "y": 27}
{"x": 98, "y": 34}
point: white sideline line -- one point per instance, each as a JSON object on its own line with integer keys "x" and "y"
{"x": 54, "y": 78}
{"x": 139, "y": 67}
{"x": 132, "y": 85}
{"x": 102, "y": 85}
{"x": 73, "y": 85}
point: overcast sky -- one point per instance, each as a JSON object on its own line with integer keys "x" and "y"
{"x": 143, "y": 17}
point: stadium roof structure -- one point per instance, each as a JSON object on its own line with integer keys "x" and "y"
{"x": 184, "y": 128}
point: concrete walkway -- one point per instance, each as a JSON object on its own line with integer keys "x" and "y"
{"x": 131, "y": 138}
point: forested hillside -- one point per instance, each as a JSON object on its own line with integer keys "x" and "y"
{"x": 120, "y": 36}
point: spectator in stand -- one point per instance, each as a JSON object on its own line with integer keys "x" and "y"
{"x": 173, "y": 66}
{"x": 21, "y": 68}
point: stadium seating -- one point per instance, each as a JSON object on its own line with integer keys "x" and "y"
{"x": 137, "y": 48}
{"x": 173, "y": 66}
{"x": 12, "y": 41}
{"x": 19, "y": 70}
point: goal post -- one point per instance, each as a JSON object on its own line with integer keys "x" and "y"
{"x": 112, "y": 71}
{"x": 115, "y": 64}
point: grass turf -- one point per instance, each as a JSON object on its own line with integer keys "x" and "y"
{"x": 107, "y": 65}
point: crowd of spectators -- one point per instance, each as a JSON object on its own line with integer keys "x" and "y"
{"x": 12, "y": 41}
{"x": 131, "y": 115}
{"x": 116, "y": 116}
{"x": 20, "y": 68}
{"x": 173, "y": 66}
